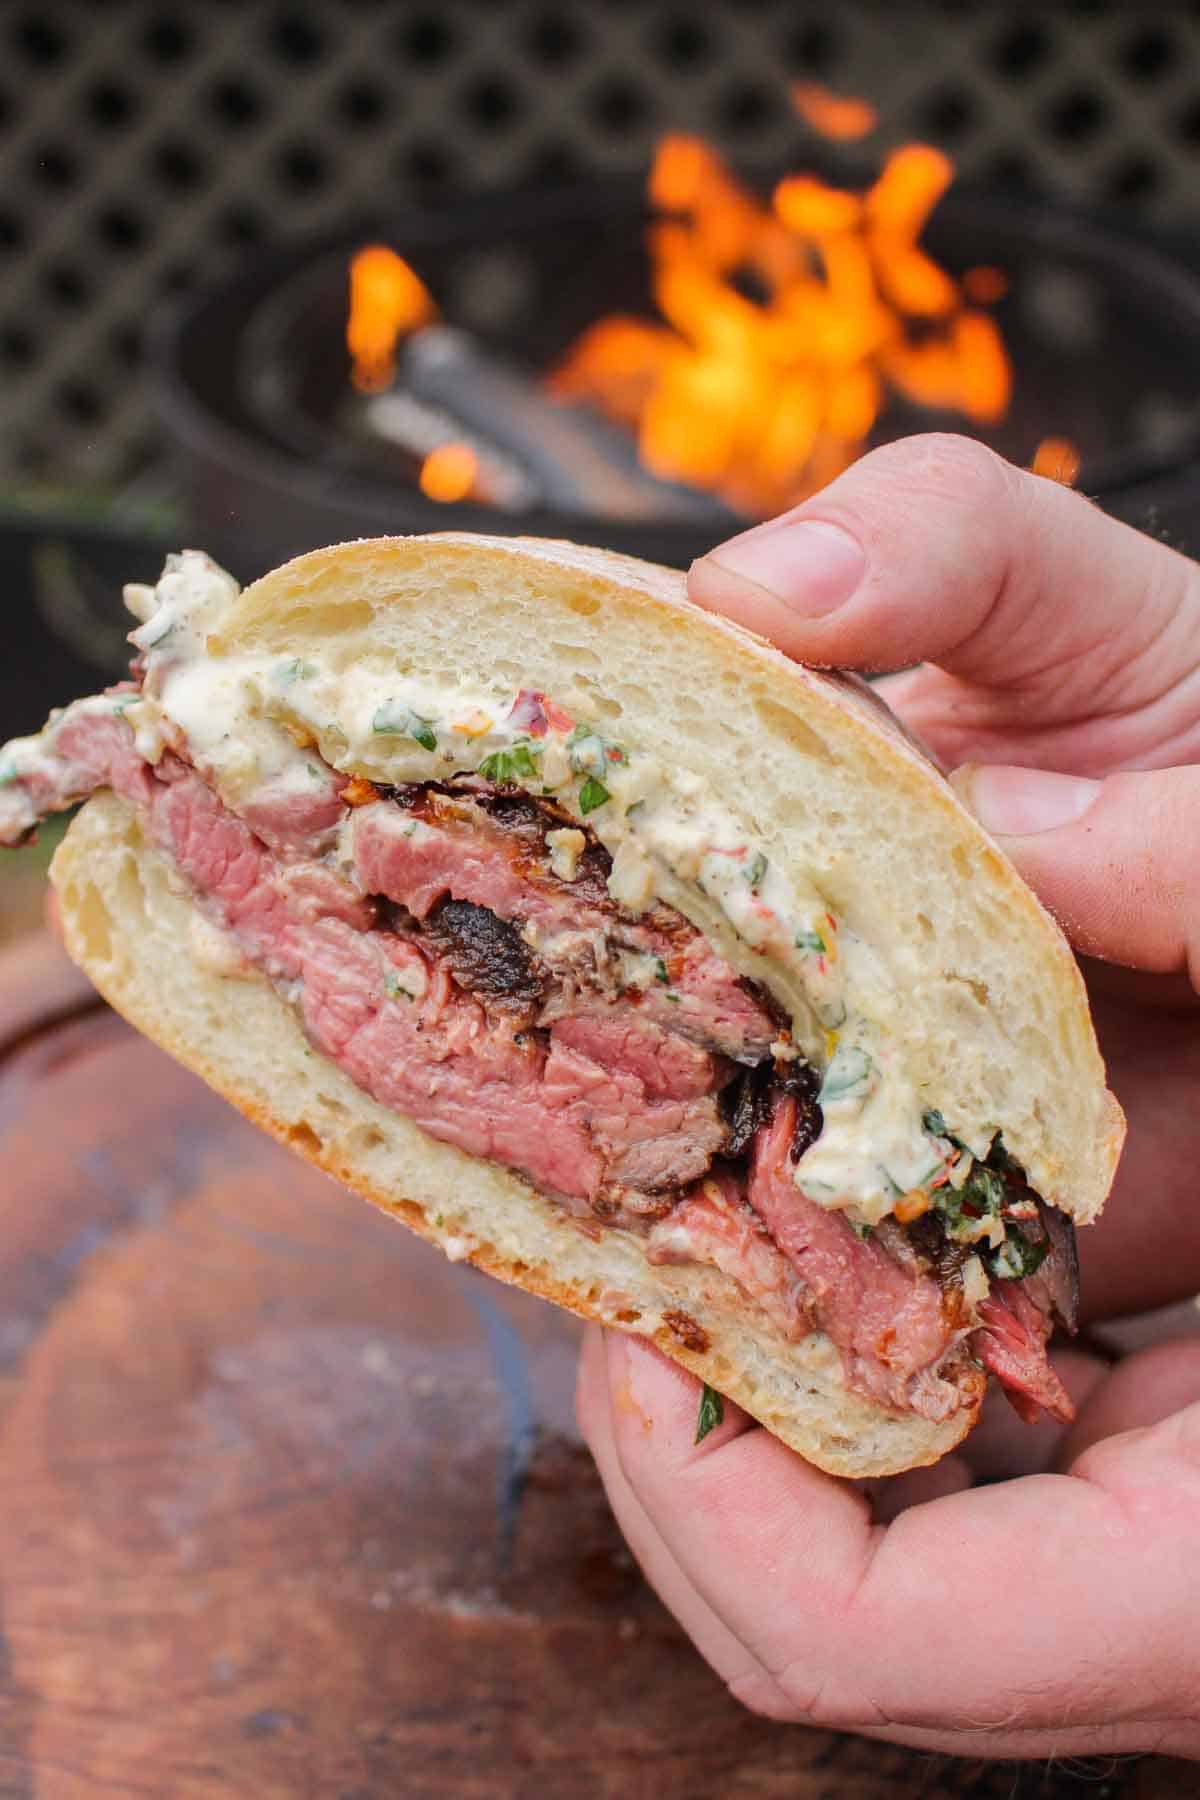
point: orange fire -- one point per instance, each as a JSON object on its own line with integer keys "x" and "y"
{"x": 387, "y": 300}
{"x": 785, "y": 324}
{"x": 984, "y": 284}
{"x": 448, "y": 473}
{"x": 835, "y": 116}
{"x": 1059, "y": 459}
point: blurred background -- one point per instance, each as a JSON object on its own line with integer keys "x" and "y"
{"x": 633, "y": 273}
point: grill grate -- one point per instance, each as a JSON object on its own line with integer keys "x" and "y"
{"x": 142, "y": 146}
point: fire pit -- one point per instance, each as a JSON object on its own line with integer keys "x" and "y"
{"x": 281, "y": 451}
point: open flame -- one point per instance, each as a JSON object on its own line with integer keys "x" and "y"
{"x": 836, "y": 116}
{"x": 1057, "y": 458}
{"x": 388, "y": 299}
{"x": 448, "y": 472}
{"x": 786, "y": 323}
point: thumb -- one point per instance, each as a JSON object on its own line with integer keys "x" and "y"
{"x": 1117, "y": 861}
{"x": 934, "y": 549}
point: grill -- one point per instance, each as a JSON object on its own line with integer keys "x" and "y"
{"x": 253, "y": 377}
{"x": 147, "y": 146}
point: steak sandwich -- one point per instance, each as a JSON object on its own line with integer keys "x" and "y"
{"x": 608, "y": 949}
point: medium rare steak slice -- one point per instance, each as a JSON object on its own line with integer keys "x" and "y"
{"x": 449, "y": 846}
{"x": 895, "y": 1331}
{"x": 714, "y": 1224}
{"x": 1011, "y": 1343}
{"x": 621, "y": 1038}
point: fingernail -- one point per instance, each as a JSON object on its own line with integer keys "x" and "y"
{"x": 1020, "y": 802}
{"x": 811, "y": 566}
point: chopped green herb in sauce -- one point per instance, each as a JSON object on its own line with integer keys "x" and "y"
{"x": 982, "y": 1195}
{"x": 712, "y": 1412}
{"x": 849, "y": 1073}
{"x": 589, "y": 753}
{"x": 812, "y": 940}
{"x": 592, "y": 794}
{"x": 935, "y": 1125}
{"x": 401, "y": 721}
{"x": 660, "y": 971}
{"x": 756, "y": 872}
{"x": 507, "y": 765}
{"x": 1016, "y": 1257}
{"x": 295, "y": 670}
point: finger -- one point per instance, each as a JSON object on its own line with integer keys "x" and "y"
{"x": 935, "y": 549}
{"x": 1000, "y": 1447}
{"x": 730, "y": 1505}
{"x": 976, "y": 1618}
{"x": 917, "y": 1487}
{"x": 598, "y": 1396}
{"x": 1116, "y": 861}
{"x": 1003, "y": 1446}
{"x": 1139, "y": 1391}
{"x": 1144, "y": 1250}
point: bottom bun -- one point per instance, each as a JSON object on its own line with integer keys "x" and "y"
{"x": 128, "y": 923}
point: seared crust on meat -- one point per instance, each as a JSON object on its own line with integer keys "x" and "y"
{"x": 486, "y": 955}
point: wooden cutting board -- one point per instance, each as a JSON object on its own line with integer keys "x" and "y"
{"x": 290, "y": 1506}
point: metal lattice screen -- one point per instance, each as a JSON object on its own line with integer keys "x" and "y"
{"x": 142, "y": 146}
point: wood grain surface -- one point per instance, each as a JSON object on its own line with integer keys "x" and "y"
{"x": 290, "y": 1506}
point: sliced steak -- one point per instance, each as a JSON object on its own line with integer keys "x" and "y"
{"x": 650, "y": 1142}
{"x": 896, "y": 1336}
{"x": 669, "y": 1067}
{"x": 714, "y": 1225}
{"x": 1055, "y": 1288}
{"x": 486, "y": 955}
{"x": 92, "y": 747}
{"x": 451, "y": 847}
{"x": 614, "y": 1101}
{"x": 1011, "y": 1343}
{"x": 298, "y": 815}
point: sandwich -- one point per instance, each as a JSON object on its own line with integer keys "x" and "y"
{"x": 611, "y": 951}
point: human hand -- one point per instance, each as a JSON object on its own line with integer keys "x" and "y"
{"x": 1054, "y": 1612}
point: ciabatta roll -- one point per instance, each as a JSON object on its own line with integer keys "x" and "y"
{"x": 605, "y": 947}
